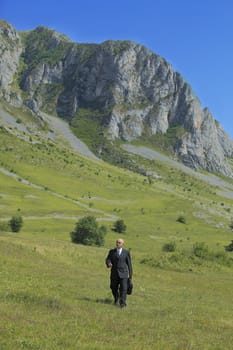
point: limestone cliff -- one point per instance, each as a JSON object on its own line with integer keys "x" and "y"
{"x": 128, "y": 89}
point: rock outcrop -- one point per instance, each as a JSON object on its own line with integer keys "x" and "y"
{"x": 135, "y": 91}
{"x": 10, "y": 51}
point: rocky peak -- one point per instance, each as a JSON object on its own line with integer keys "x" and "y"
{"x": 7, "y": 32}
{"x": 54, "y": 37}
{"x": 134, "y": 92}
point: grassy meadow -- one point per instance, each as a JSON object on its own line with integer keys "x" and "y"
{"x": 55, "y": 295}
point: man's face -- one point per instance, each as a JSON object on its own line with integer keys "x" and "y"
{"x": 119, "y": 243}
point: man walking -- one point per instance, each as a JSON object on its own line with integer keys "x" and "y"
{"x": 119, "y": 261}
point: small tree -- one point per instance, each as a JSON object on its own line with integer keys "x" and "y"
{"x": 229, "y": 248}
{"x": 119, "y": 226}
{"x": 88, "y": 232}
{"x": 16, "y": 223}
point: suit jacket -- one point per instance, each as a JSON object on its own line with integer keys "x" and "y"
{"x": 121, "y": 265}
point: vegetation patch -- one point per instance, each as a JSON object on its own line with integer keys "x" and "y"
{"x": 200, "y": 256}
{"x": 41, "y": 47}
{"x": 166, "y": 142}
{"x": 49, "y": 94}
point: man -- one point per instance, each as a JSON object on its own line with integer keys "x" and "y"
{"x": 119, "y": 261}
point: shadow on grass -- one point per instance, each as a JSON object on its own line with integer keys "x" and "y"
{"x": 98, "y": 300}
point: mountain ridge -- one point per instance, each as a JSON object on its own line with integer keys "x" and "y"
{"x": 120, "y": 89}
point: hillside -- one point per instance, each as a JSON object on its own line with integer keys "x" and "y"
{"x": 55, "y": 294}
{"x": 111, "y": 93}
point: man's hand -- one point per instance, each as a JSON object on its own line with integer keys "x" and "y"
{"x": 109, "y": 265}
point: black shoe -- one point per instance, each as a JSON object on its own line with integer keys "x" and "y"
{"x": 123, "y": 305}
{"x": 116, "y": 301}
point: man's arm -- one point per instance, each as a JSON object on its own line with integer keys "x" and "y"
{"x": 108, "y": 260}
{"x": 129, "y": 263}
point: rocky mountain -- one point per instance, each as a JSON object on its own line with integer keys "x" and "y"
{"x": 120, "y": 89}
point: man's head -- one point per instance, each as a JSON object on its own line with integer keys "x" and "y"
{"x": 119, "y": 243}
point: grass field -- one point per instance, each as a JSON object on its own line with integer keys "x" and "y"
{"x": 55, "y": 294}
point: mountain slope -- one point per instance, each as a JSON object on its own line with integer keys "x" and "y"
{"x": 51, "y": 298}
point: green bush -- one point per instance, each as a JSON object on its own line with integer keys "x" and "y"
{"x": 181, "y": 219}
{"x": 119, "y": 226}
{"x": 200, "y": 249}
{"x": 169, "y": 247}
{"x": 229, "y": 248}
{"x": 221, "y": 258}
{"x": 16, "y": 223}
{"x": 88, "y": 232}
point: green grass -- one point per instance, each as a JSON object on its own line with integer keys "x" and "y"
{"x": 55, "y": 294}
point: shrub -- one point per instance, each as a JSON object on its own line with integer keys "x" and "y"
{"x": 169, "y": 247}
{"x": 182, "y": 260}
{"x": 181, "y": 219}
{"x": 200, "y": 249}
{"x": 88, "y": 232}
{"x": 229, "y": 248}
{"x": 119, "y": 226}
{"x": 16, "y": 223}
{"x": 221, "y": 258}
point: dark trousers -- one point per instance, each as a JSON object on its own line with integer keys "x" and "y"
{"x": 119, "y": 289}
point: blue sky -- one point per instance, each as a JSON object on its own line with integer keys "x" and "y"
{"x": 195, "y": 36}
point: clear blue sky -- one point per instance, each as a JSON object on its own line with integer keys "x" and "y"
{"x": 195, "y": 36}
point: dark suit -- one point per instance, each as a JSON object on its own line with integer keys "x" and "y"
{"x": 120, "y": 272}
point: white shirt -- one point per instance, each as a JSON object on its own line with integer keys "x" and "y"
{"x": 119, "y": 251}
